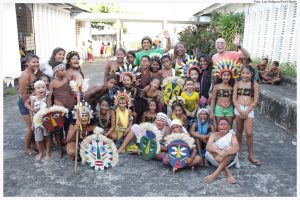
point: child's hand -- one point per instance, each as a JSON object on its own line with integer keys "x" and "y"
{"x": 188, "y": 160}
{"x": 211, "y": 115}
{"x": 32, "y": 126}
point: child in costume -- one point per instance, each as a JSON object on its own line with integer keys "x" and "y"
{"x": 245, "y": 98}
{"x": 191, "y": 101}
{"x": 34, "y": 104}
{"x": 63, "y": 96}
{"x": 152, "y": 92}
{"x": 200, "y": 131}
{"x": 221, "y": 103}
{"x": 181, "y": 148}
{"x": 123, "y": 114}
{"x": 84, "y": 125}
{"x": 107, "y": 119}
{"x": 150, "y": 114}
{"x": 167, "y": 70}
{"x": 177, "y": 104}
{"x": 73, "y": 70}
{"x": 194, "y": 73}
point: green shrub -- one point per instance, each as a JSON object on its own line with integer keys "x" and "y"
{"x": 288, "y": 69}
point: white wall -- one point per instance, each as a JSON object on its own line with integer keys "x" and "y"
{"x": 53, "y": 28}
{"x": 11, "y": 57}
{"x": 270, "y": 29}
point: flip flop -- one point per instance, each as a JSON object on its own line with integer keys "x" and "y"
{"x": 30, "y": 153}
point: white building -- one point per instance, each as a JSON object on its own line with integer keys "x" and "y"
{"x": 41, "y": 28}
{"x": 270, "y": 28}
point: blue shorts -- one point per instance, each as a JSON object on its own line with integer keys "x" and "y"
{"x": 23, "y": 110}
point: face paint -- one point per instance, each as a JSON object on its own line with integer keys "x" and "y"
{"x": 97, "y": 154}
{"x": 148, "y": 145}
{"x": 171, "y": 90}
{"x": 54, "y": 121}
{"x": 178, "y": 152}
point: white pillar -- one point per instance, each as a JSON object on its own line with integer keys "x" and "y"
{"x": 11, "y": 58}
{"x": 118, "y": 33}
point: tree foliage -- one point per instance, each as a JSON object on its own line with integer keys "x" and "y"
{"x": 204, "y": 36}
{"x": 103, "y": 8}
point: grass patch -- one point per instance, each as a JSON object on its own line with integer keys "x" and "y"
{"x": 8, "y": 91}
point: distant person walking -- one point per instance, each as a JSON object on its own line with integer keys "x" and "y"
{"x": 90, "y": 54}
{"x": 108, "y": 50}
{"x": 102, "y": 49}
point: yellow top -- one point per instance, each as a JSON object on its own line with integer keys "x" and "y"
{"x": 122, "y": 121}
{"x": 191, "y": 101}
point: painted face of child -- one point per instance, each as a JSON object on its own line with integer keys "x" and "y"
{"x": 40, "y": 90}
{"x": 155, "y": 66}
{"x": 166, "y": 62}
{"x": 85, "y": 119}
{"x": 152, "y": 106}
{"x": 111, "y": 83}
{"x": 60, "y": 56}
{"x": 127, "y": 81}
{"x": 178, "y": 110}
{"x": 226, "y": 76}
{"x": 120, "y": 56}
{"x": 33, "y": 64}
{"x": 45, "y": 80}
{"x": 122, "y": 103}
{"x": 155, "y": 83}
{"x": 223, "y": 127}
{"x": 104, "y": 107}
{"x": 176, "y": 128}
{"x": 246, "y": 74}
{"x": 190, "y": 86}
{"x": 194, "y": 75}
{"x": 203, "y": 116}
{"x": 74, "y": 62}
{"x": 130, "y": 58}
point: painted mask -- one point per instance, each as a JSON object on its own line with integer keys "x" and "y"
{"x": 148, "y": 145}
{"x": 54, "y": 121}
{"x": 97, "y": 154}
{"x": 178, "y": 152}
{"x": 171, "y": 90}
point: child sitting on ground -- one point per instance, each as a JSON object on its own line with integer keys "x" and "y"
{"x": 200, "y": 131}
{"x": 34, "y": 104}
{"x": 272, "y": 75}
{"x": 150, "y": 114}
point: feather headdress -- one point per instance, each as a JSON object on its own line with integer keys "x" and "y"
{"x": 226, "y": 65}
{"x": 123, "y": 95}
{"x": 128, "y": 69}
{"x": 187, "y": 62}
{"x": 84, "y": 108}
{"x": 177, "y": 100}
{"x": 98, "y": 145}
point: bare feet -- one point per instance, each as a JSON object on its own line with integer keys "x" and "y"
{"x": 174, "y": 169}
{"x": 47, "y": 157}
{"x": 254, "y": 161}
{"x": 29, "y": 152}
{"x": 231, "y": 180}
{"x": 206, "y": 163}
{"x": 201, "y": 163}
{"x": 39, "y": 156}
{"x": 60, "y": 153}
{"x": 120, "y": 151}
{"x": 209, "y": 179}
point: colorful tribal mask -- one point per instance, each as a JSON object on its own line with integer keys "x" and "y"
{"x": 172, "y": 86}
{"x": 98, "y": 151}
{"x": 148, "y": 145}
{"x": 178, "y": 152}
{"x": 54, "y": 121}
{"x": 52, "y": 118}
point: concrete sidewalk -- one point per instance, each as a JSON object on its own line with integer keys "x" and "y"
{"x": 132, "y": 176}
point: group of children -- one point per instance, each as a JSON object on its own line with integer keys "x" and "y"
{"x": 136, "y": 94}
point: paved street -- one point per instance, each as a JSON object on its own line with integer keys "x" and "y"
{"x": 132, "y": 176}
